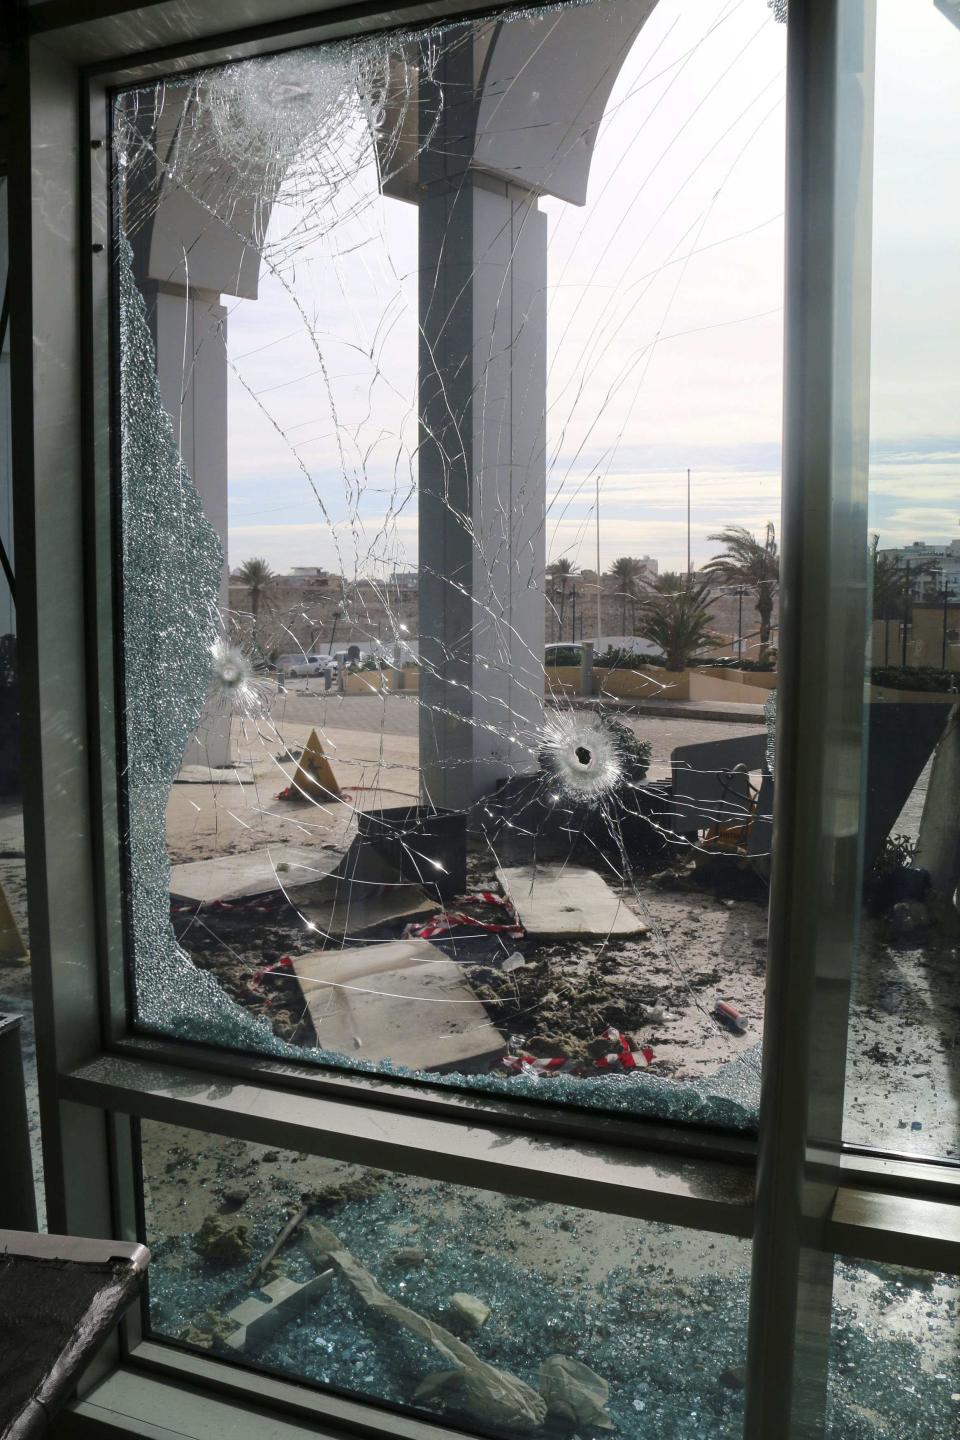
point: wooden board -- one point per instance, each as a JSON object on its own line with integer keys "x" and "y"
{"x": 402, "y": 1001}
{"x": 567, "y": 900}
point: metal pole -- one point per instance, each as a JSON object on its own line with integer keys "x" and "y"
{"x": 946, "y": 602}
{"x": 740, "y": 625}
{"x": 689, "y": 565}
{"x": 599, "y": 625}
{"x": 814, "y": 889}
{"x": 573, "y": 612}
{"x": 906, "y": 615}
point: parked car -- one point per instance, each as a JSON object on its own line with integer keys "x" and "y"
{"x": 291, "y": 667}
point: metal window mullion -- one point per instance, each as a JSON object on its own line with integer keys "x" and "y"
{"x": 47, "y": 275}
{"x": 101, "y": 439}
{"x": 605, "y": 1178}
{"x": 814, "y": 893}
{"x": 443, "y": 1102}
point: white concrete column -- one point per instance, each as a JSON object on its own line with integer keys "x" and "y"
{"x": 184, "y": 259}
{"x": 503, "y": 120}
{"x": 509, "y": 474}
{"x": 938, "y": 845}
{"x": 482, "y": 254}
{"x": 190, "y": 334}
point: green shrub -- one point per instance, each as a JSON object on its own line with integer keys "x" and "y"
{"x": 636, "y": 753}
{"x": 564, "y": 655}
{"x": 921, "y": 677}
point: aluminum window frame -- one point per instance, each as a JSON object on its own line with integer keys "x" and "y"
{"x": 799, "y": 1191}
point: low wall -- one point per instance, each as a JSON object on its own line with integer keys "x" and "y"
{"x": 561, "y": 679}
{"x": 882, "y": 694}
{"x": 764, "y": 679}
{"x": 652, "y": 684}
{"x": 712, "y": 687}
{"x": 365, "y": 682}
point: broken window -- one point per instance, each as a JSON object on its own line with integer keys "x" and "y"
{"x": 894, "y": 1365}
{"x": 418, "y": 335}
{"x": 903, "y": 1056}
{"x": 496, "y": 1313}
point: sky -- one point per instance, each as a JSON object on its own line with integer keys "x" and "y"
{"x": 664, "y": 316}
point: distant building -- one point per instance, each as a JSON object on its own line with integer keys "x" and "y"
{"x": 931, "y": 566}
{"x": 308, "y": 576}
{"x": 405, "y": 581}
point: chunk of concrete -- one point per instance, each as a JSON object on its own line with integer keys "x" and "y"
{"x": 561, "y": 901}
{"x": 473, "y": 1313}
{"x": 257, "y": 1320}
{"x": 401, "y": 1001}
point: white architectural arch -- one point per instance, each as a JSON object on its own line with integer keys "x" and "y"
{"x": 506, "y": 115}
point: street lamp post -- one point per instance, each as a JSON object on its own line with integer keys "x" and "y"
{"x": 689, "y": 564}
{"x": 947, "y": 593}
{"x": 906, "y": 614}
{"x": 333, "y": 633}
{"x": 599, "y": 625}
{"x": 739, "y": 625}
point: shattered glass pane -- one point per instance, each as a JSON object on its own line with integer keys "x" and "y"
{"x": 419, "y": 334}
{"x": 894, "y": 1354}
{"x": 500, "y": 1314}
{"x": 903, "y": 1059}
{"x": 16, "y": 980}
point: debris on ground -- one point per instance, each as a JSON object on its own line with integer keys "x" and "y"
{"x": 257, "y": 1321}
{"x": 615, "y": 1051}
{"x": 472, "y": 1313}
{"x": 729, "y": 1017}
{"x": 575, "y": 1395}
{"x": 289, "y": 1230}
{"x": 222, "y": 1241}
{"x": 403, "y": 1002}
{"x": 492, "y": 1396}
{"x": 567, "y": 900}
{"x": 407, "y": 1256}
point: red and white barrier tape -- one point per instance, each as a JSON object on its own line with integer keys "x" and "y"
{"x": 623, "y": 1058}
{"x": 448, "y": 920}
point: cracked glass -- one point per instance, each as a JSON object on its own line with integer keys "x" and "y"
{"x": 903, "y": 1056}
{"x": 894, "y": 1361}
{"x": 449, "y": 488}
{"x": 493, "y": 1313}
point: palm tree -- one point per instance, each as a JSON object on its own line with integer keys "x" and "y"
{"x": 675, "y": 615}
{"x": 747, "y": 561}
{"x": 628, "y": 573}
{"x": 890, "y": 582}
{"x": 258, "y": 578}
{"x": 560, "y": 572}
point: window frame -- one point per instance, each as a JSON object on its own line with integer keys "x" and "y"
{"x": 800, "y": 1192}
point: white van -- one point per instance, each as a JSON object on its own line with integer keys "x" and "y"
{"x": 290, "y": 667}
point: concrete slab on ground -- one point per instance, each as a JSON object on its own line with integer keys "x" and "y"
{"x": 565, "y": 900}
{"x": 365, "y": 892}
{"x": 353, "y": 910}
{"x": 258, "y": 1320}
{"x": 255, "y": 872}
{"x": 402, "y": 1001}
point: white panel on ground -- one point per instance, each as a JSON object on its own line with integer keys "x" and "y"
{"x": 565, "y": 900}
{"x": 404, "y": 1002}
